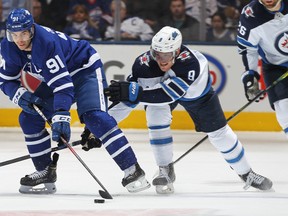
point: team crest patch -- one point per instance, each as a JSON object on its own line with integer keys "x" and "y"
{"x": 184, "y": 55}
{"x": 144, "y": 59}
{"x": 281, "y": 43}
{"x": 248, "y": 12}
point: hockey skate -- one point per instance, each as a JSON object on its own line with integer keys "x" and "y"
{"x": 31, "y": 184}
{"x": 257, "y": 181}
{"x": 136, "y": 181}
{"x": 164, "y": 180}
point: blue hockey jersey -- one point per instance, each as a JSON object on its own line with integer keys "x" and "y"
{"x": 55, "y": 59}
{"x": 263, "y": 33}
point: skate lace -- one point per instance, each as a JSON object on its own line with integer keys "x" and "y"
{"x": 253, "y": 178}
{"x": 38, "y": 174}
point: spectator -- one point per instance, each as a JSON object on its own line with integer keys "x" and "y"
{"x": 132, "y": 28}
{"x": 149, "y": 11}
{"x": 231, "y": 9}
{"x": 38, "y": 14}
{"x": 96, "y": 9}
{"x": 188, "y": 26}
{"x": 2, "y": 23}
{"x": 80, "y": 26}
{"x": 9, "y": 5}
{"x": 56, "y": 11}
{"x": 218, "y": 31}
{"x": 193, "y": 9}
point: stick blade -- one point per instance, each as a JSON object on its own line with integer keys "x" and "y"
{"x": 105, "y": 195}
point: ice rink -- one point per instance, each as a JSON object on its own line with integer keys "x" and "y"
{"x": 205, "y": 184}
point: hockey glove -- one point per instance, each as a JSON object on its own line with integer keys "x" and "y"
{"x": 89, "y": 141}
{"x": 61, "y": 126}
{"x": 124, "y": 91}
{"x": 25, "y": 100}
{"x": 251, "y": 86}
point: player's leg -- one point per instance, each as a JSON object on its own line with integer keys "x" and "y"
{"x": 278, "y": 95}
{"x": 38, "y": 143}
{"x": 158, "y": 121}
{"x": 91, "y": 107}
{"x": 281, "y": 108}
{"x": 209, "y": 117}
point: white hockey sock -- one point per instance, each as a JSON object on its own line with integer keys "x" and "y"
{"x": 226, "y": 142}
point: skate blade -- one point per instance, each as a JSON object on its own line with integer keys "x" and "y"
{"x": 165, "y": 189}
{"x": 138, "y": 185}
{"x": 48, "y": 188}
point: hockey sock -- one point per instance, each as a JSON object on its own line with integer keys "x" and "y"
{"x": 226, "y": 142}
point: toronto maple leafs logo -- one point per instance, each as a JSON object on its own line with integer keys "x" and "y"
{"x": 248, "y": 12}
{"x": 174, "y": 35}
{"x": 281, "y": 43}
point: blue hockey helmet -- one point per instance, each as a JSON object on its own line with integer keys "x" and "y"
{"x": 19, "y": 19}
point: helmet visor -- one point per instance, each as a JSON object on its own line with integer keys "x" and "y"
{"x": 162, "y": 57}
{"x": 19, "y": 36}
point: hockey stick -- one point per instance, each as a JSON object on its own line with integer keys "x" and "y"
{"x": 25, "y": 157}
{"x": 103, "y": 193}
{"x": 236, "y": 113}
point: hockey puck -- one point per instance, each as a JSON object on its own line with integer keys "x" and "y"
{"x": 99, "y": 200}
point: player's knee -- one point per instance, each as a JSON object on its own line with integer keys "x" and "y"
{"x": 99, "y": 120}
{"x": 223, "y": 138}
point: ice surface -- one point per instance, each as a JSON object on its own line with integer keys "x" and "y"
{"x": 205, "y": 185}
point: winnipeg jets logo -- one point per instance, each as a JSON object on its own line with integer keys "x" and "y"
{"x": 144, "y": 59}
{"x": 281, "y": 43}
{"x": 184, "y": 55}
{"x": 248, "y": 12}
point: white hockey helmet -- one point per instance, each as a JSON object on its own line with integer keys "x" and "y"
{"x": 167, "y": 40}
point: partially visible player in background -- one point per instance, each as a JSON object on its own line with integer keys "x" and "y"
{"x": 263, "y": 32}
{"x": 71, "y": 71}
{"x": 170, "y": 73}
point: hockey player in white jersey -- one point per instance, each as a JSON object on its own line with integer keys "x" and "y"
{"x": 263, "y": 32}
{"x": 71, "y": 71}
{"x": 172, "y": 74}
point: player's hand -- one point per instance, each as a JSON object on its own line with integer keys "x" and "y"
{"x": 251, "y": 86}
{"x": 89, "y": 141}
{"x": 61, "y": 126}
{"x": 25, "y": 100}
{"x": 124, "y": 91}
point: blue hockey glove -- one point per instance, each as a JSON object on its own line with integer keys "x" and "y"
{"x": 124, "y": 91}
{"x": 25, "y": 100}
{"x": 61, "y": 126}
{"x": 251, "y": 86}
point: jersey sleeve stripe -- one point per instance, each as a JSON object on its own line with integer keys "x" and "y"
{"x": 67, "y": 85}
{"x": 57, "y": 77}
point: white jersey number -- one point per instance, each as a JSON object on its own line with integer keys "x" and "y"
{"x": 54, "y": 64}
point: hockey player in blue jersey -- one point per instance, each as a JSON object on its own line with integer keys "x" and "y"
{"x": 263, "y": 32}
{"x": 71, "y": 71}
{"x": 171, "y": 74}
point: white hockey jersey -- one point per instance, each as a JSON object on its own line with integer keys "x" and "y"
{"x": 265, "y": 33}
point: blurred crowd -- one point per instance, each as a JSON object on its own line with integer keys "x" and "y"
{"x": 133, "y": 20}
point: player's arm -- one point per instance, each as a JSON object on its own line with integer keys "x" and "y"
{"x": 248, "y": 40}
{"x": 163, "y": 93}
{"x": 59, "y": 80}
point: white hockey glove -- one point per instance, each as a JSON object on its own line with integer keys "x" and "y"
{"x": 251, "y": 86}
